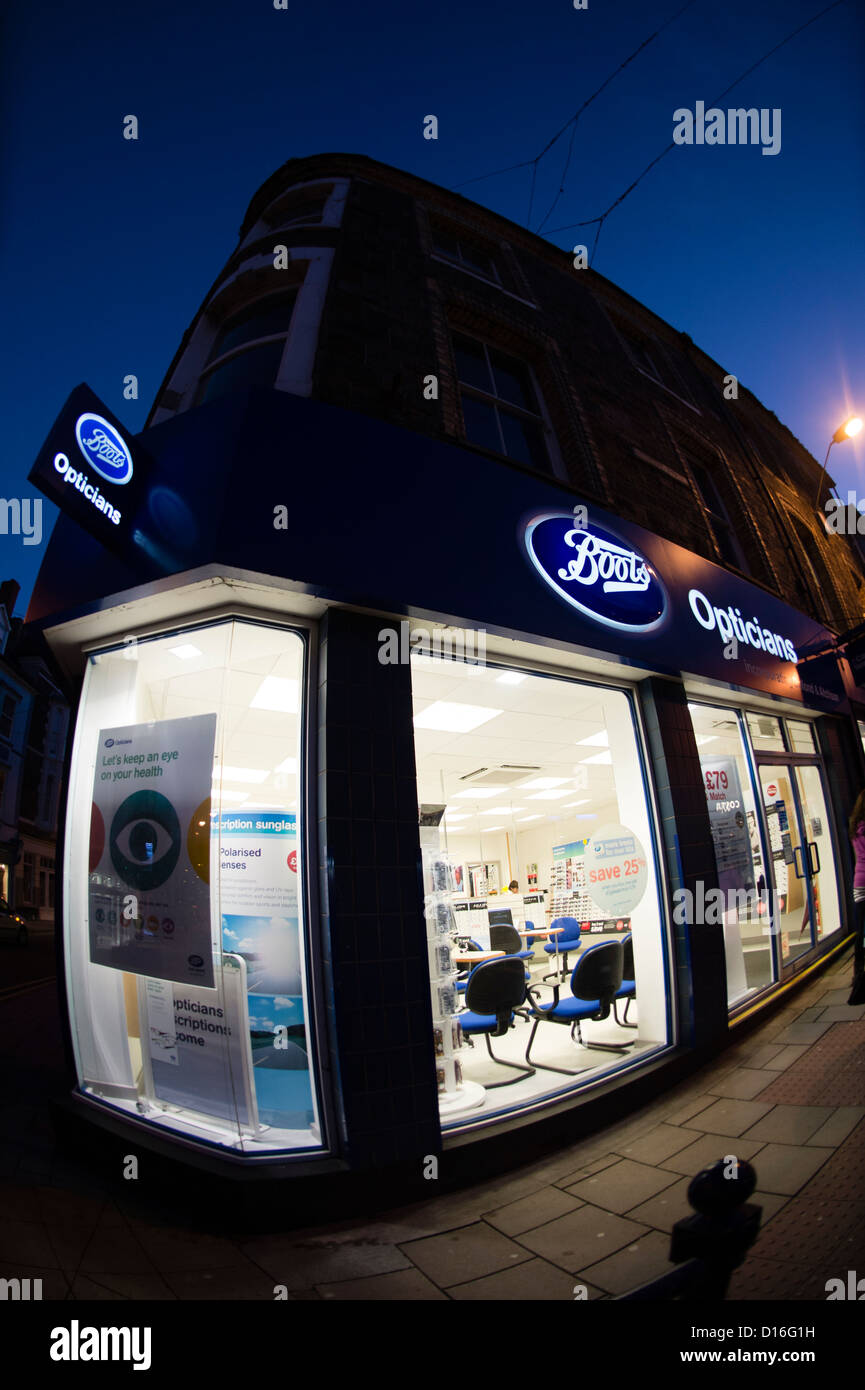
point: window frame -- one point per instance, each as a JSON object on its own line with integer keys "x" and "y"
{"x": 498, "y": 403}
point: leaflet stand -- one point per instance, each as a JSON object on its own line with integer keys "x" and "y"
{"x": 456, "y": 1094}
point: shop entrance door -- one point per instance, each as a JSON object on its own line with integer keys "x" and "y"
{"x": 801, "y": 854}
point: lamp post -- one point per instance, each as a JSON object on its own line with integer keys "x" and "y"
{"x": 848, "y": 430}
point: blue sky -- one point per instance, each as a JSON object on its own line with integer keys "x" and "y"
{"x": 109, "y": 245}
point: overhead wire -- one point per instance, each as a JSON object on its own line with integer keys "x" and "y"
{"x": 572, "y": 120}
{"x": 591, "y": 221}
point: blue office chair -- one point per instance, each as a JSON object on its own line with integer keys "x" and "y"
{"x": 595, "y": 979}
{"x": 568, "y": 941}
{"x": 496, "y": 989}
{"x": 530, "y": 940}
{"x": 462, "y": 978}
{"x": 628, "y": 988}
{"x": 504, "y": 937}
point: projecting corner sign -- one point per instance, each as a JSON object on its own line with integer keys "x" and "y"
{"x": 597, "y": 572}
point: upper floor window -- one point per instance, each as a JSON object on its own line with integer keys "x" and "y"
{"x": 719, "y": 518}
{"x": 248, "y": 348}
{"x": 500, "y": 406}
{"x": 8, "y": 706}
{"x": 455, "y": 246}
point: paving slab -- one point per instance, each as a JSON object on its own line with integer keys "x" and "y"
{"x": 622, "y": 1186}
{"x": 785, "y": 1169}
{"x": 744, "y": 1083}
{"x": 535, "y": 1281}
{"x": 455, "y": 1257}
{"x": 730, "y": 1117}
{"x": 838, "y": 1126}
{"x": 790, "y": 1124}
{"x": 786, "y": 1056}
{"x": 708, "y": 1149}
{"x": 582, "y": 1237}
{"x": 632, "y": 1266}
{"x": 532, "y": 1211}
{"x": 403, "y": 1286}
{"x": 658, "y": 1144}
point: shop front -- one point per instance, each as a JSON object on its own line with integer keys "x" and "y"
{"x": 412, "y": 798}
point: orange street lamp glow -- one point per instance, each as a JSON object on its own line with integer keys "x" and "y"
{"x": 848, "y": 430}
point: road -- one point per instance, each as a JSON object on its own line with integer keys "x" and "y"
{"x": 22, "y": 966}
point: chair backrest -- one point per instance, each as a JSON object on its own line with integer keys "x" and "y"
{"x": 598, "y": 973}
{"x": 628, "y": 956}
{"x": 497, "y": 987}
{"x": 571, "y": 932}
{"x": 505, "y": 938}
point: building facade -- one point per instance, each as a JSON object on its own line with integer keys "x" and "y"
{"x": 460, "y": 604}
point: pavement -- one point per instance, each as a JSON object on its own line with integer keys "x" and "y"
{"x": 789, "y": 1098}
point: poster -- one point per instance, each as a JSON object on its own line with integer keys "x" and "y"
{"x": 261, "y": 923}
{"x": 196, "y": 1045}
{"x": 616, "y": 869}
{"x": 149, "y": 891}
{"x": 730, "y": 833}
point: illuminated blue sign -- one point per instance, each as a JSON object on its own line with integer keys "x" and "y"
{"x": 104, "y": 448}
{"x": 597, "y": 572}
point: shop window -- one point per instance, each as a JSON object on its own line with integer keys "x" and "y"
{"x": 741, "y": 902}
{"x": 719, "y": 518}
{"x": 801, "y": 736}
{"x": 185, "y": 918}
{"x": 533, "y": 817}
{"x": 500, "y": 406}
{"x": 766, "y": 733}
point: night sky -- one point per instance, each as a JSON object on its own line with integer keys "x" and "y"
{"x": 108, "y": 245}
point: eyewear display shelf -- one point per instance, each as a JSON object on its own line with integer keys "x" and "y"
{"x": 456, "y": 1093}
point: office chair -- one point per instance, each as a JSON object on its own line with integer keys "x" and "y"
{"x": 628, "y": 988}
{"x": 568, "y": 941}
{"x": 594, "y": 981}
{"x": 496, "y": 988}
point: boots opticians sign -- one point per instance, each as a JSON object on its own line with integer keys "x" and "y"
{"x": 597, "y": 572}
{"x": 90, "y": 467}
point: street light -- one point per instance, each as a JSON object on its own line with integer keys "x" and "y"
{"x": 848, "y": 430}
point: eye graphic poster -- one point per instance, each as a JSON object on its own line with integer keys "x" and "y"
{"x": 149, "y": 892}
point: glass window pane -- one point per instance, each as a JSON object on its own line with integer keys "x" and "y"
{"x": 524, "y": 441}
{"x": 257, "y": 366}
{"x": 196, "y": 1013}
{"x": 743, "y": 908}
{"x": 515, "y": 773}
{"x": 444, "y": 243}
{"x": 801, "y": 736}
{"x": 512, "y": 381}
{"x": 480, "y": 423}
{"x": 260, "y": 320}
{"x": 471, "y": 363}
{"x": 477, "y": 259}
{"x": 765, "y": 732}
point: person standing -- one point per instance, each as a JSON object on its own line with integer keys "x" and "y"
{"x": 857, "y": 837}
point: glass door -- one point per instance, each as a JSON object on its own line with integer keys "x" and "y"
{"x": 819, "y": 859}
{"x": 789, "y": 859}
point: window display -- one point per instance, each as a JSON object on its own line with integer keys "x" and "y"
{"x": 544, "y": 823}
{"x": 185, "y": 887}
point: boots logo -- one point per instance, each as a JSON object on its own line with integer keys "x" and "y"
{"x": 597, "y": 572}
{"x": 104, "y": 448}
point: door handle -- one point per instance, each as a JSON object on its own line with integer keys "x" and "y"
{"x": 812, "y": 851}
{"x": 797, "y": 850}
